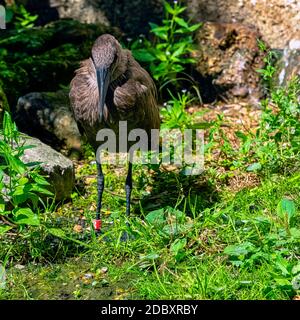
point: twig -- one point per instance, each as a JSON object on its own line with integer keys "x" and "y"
{"x": 8, "y": 222}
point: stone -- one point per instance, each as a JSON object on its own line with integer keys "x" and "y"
{"x": 276, "y": 20}
{"x": 58, "y": 169}
{"x": 228, "y": 54}
{"x": 288, "y": 66}
{"x": 129, "y": 16}
{"x": 104, "y": 270}
{"x": 48, "y": 117}
{"x": 19, "y": 266}
{"x": 81, "y": 10}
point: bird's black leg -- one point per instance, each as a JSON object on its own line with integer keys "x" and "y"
{"x": 100, "y": 185}
{"x": 128, "y": 188}
{"x": 128, "y": 184}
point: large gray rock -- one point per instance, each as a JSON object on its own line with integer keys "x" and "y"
{"x": 277, "y": 20}
{"x": 58, "y": 169}
{"x": 81, "y": 10}
{"x": 228, "y": 54}
{"x": 129, "y": 16}
{"x": 48, "y": 117}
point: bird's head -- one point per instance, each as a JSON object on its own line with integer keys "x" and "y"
{"x": 106, "y": 56}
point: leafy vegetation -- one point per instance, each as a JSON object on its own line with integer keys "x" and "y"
{"x": 20, "y": 183}
{"x": 19, "y": 17}
{"x": 191, "y": 237}
{"x": 171, "y": 49}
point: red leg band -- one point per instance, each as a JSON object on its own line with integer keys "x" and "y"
{"x": 97, "y": 224}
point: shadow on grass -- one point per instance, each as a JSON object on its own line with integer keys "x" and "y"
{"x": 191, "y": 194}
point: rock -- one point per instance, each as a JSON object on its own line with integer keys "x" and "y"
{"x": 42, "y": 59}
{"x": 228, "y": 54}
{"x": 104, "y": 270}
{"x": 288, "y": 66}
{"x": 2, "y": 277}
{"x": 81, "y": 10}
{"x": 106, "y": 12}
{"x": 48, "y": 117}
{"x": 130, "y": 16}
{"x": 277, "y": 20}
{"x": 19, "y": 266}
{"x": 88, "y": 276}
{"x": 58, "y": 169}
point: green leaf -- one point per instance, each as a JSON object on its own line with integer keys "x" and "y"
{"x": 161, "y": 32}
{"x": 143, "y": 55}
{"x": 57, "y": 232}
{"x": 169, "y": 8}
{"x": 241, "y": 249}
{"x": 161, "y": 56}
{"x": 172, "y": 230}
{"x": 195, "y": 27}
{"x": 295, "y": 232}
{"x": 15, "y": 164}
{"x": 39, "y": 179}
{"x": 9, "y": 14}
{"x": 179, "y": 215}
{"x": 20, "y": 194}
{"x": 156, "y": 217}
{"x": 150, "y": 256}
{"x": 178, "y": 245}
{"x": 7, "y": 125}
{"x": 153, "y": 25}
{"x": 25, "y": 216}
{"x": 181, "y": 22}
{"x": 4, "y": 229}
{"x": 254, "y": 167}
{"x": 282, "y": 282}
{"x": 179, "y": 51}
{"x": 22, "y": 181}
{"x": 39, "y": 189}
{"x": 282, "y": 265}
{"x": 296, "y": 269}
{"x": 286, "y": 209}
{"x": 201, "y": 125}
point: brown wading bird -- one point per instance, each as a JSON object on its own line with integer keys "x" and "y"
{"x": 111, "y": 87}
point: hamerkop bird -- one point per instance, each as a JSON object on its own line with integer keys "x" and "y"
{"x": 111, "y": 87}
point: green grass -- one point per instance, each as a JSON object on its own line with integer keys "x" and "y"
{"x": 176, "y": 252}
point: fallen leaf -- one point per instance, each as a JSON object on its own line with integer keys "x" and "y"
{"x": 77, "y": 228}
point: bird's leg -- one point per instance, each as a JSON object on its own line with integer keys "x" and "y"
{"x": 100, "y": 185}
{"x": 128, "y": 185}
{"x": 128, "y": 188}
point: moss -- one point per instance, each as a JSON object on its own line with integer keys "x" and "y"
{"x": 44, "y": 58}
{"x": 4, "y": 106}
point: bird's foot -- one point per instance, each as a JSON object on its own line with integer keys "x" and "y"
{"x": 125, "y": 235}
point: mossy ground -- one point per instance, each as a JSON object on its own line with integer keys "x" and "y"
{"x": 147, "y": 266}
{"x": 213, "y": 236}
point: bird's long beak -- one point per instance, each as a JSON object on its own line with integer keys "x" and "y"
{"x": 103, "y": 79}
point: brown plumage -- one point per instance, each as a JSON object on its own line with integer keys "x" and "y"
{"x": 110, "y": 87}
